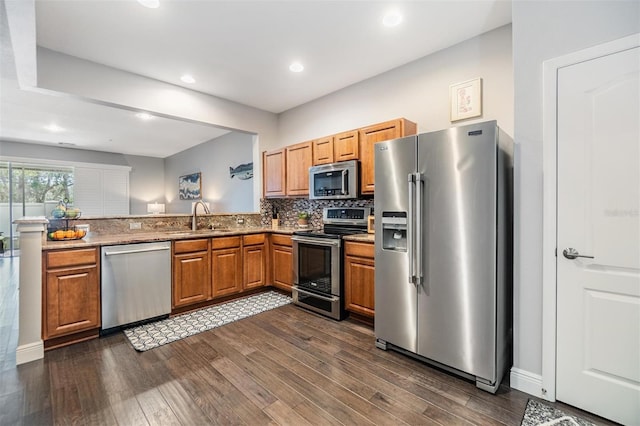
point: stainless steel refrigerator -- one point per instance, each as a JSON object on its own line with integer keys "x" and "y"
{"x": 443, "y": 259}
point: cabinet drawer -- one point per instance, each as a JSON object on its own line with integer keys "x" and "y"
{"x": 225, "y": 242}
{"x": 281, "y": 240}
{"x": 189, "y": 246}
{"x": 252, "y": 239}
{"x": 359, "y": 249}
{"x": 59, "y": 259}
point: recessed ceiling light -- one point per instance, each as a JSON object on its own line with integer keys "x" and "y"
{"x": 151, "y": 4}
{"x": 144, "y": 116}
{"x": 296, "y": 67}
{"x": 188, "y": 78}
{"x": 54, "y": 128}
{"x": 392, "y": 19}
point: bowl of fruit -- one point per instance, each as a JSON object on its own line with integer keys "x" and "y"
{"x": 66, "y": 234}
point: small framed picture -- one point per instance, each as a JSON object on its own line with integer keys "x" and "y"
{"x": 465, "y": 99}
{"x": 190, "y": 186}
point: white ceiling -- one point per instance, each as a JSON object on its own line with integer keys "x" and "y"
{"x": 241, "y": 50}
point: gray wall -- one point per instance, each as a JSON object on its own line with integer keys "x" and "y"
{"x": 146, "y": 179}
{"x": 544, "y": 30}
{"x": 146, "y": 182}
{"x": 47, "y": 152}
{"x": 213, "y": 159}
{"x": 418, "y": 91}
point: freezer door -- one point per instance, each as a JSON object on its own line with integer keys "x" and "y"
{"x": 457, "y": 300}
{"x": 395, "y": 294}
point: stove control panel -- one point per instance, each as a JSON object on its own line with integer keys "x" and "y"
{"x": 354, "y": 215}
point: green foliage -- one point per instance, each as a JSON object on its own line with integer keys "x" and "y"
{"x": 33, "y": 184}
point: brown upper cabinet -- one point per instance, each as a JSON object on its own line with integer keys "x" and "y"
{"x": 286, "y": 170}
{"x": 377, "y": 133}
{"x": 299, "y": 159}
{"x": 345, "y": 146}
{"x": 332, "y": 149}
{"x": 274, "y": 165}
{"x": 323, "y": 151}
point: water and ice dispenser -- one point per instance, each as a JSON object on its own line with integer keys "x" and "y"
{"x": 394, "y": 231}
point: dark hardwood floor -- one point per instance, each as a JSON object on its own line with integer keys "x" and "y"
{"x": 285, "y": 366}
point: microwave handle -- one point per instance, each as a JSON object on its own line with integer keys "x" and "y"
{"x": 344, "y": 182}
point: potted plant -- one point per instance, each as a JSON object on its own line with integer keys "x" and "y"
{"x": 303, "y": 218}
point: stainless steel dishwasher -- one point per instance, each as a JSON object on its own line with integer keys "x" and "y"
{"x": 136, "y": 283}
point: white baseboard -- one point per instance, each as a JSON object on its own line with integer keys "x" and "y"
{"x": 526, "y": 381}
{"x": 29, "y": 352}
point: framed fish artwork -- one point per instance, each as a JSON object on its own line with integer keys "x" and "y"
{"x": 242, "y": 172}
{"x": 190, "y": 186}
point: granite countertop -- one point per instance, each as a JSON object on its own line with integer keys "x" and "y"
{"x": 361, "y": 238}
{"x": 142, "y": 237}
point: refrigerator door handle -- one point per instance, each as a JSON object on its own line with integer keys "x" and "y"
{"x": 419, "y": 188}
{"x": 410, "y": 233}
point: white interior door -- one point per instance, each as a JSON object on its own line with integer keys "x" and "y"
{"x": 598, "y": 299}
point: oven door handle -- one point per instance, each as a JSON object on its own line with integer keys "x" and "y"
{"x": 328, "y": 242}
{"x": 308, "y": 293}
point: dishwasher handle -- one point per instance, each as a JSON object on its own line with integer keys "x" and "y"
{"x": 113, "y": 253}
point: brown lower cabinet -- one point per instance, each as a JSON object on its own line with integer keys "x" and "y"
{"x": 209, "y": 268}
{"x": 359, "y": 275}
{"x": 226, "y": 266}
{"x": 254, "y": 261}
{"x": 282, "y": 262}
{"x": 71, "y": 295}
{"x": 191, "y": 272}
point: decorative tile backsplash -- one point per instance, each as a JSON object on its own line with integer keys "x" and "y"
{"x": 288, "y": 209}
{"x": 160, "y": 223}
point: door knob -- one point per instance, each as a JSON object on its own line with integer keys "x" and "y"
{"x": 571, "y": 253}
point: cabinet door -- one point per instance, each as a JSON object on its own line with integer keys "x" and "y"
{"x": 377, "y": 133}
{"x": 255, "y": 266}
{"x": 323, "y": 151}
{"x": 359, "y": 285}
{"x": 191, "y": 278}
{"x": 299, "y": 159}
{"x": 345, "y": 146}
{"x": 72, "y": 301}
{"x": 282, "y": 264}
{"x": 226, "y": 271}
{"x": 273, "y": 173}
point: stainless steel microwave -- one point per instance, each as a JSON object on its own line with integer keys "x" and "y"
{"x": 334, "y": 181}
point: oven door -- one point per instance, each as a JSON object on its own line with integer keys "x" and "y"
{"x": 317, "y": 274}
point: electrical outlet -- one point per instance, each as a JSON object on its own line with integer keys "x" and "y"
{"x": 135, "y": 225}
{"x": 240, "y": 221}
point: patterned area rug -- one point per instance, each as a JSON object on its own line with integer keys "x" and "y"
{"x": 152, "y": 335}
{"x": 540, "y": 414}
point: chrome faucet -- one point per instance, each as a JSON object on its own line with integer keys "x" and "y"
{"x": 194, "y": 218}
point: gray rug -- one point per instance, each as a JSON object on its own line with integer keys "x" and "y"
{"x": 540, "y": 414}
{"x": 152, "y": 335}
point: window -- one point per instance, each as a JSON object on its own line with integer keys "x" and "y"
{"x": 29, "y": 190}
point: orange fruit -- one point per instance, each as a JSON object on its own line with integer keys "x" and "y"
{"x": 70, "y": 233}
{"x": 59, "y": 234}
